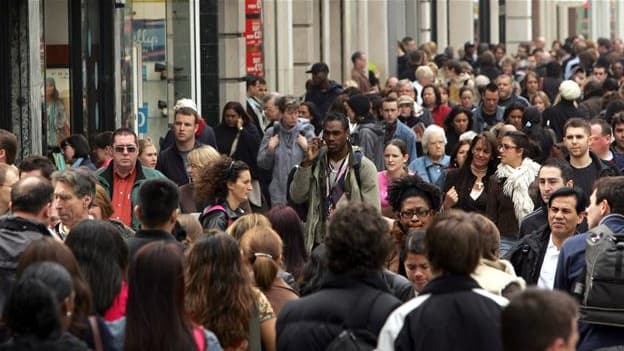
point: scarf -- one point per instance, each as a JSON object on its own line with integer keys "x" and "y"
{"x": 517, "y": 185}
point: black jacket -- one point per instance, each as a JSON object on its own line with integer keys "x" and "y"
{"x": 527, "y": 255}
{"x": 247, "y": 148}
{"x": 534, "y": 220}
{"x": 556, "y": 116}
{"x": 170, "y": 164}
{"x": 452, "y": 313}
{"x": 218, "y": 219}
{"x": 323, "y": 99}
{"x": 146, "y": 236}
{"x": 16, "y": 234}
{"x": 313, "y": 321}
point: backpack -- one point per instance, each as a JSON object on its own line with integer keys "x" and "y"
{"x": 602, "y": 285}
{"x": 302, "y": 209}
{"x": 214, "y": 208}
{"x": 354, "y": 336}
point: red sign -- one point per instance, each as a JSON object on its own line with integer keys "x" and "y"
{"x": 253, "y": 37}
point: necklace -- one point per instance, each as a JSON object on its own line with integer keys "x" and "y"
{"x": 479, "y": 173}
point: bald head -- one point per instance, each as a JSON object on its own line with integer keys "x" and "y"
{"x": 31, "y": 195}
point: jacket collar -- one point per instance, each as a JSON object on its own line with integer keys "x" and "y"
{"x": 450, "y": 283}
{"x": 347, "y": 280}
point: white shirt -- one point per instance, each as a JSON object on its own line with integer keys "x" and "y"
{"x": 549, "y": 266}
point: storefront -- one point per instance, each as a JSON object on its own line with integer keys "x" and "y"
{"x": 84, "y": 66}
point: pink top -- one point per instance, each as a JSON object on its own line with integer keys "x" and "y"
{"x": 382, "y": 181}
{"x": 118, "y": 308}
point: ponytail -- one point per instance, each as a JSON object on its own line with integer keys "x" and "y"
{"x": 264, "y": 268}
{"x": 262, "y": 247}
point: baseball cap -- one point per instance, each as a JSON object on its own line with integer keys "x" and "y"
{"x": 318, "y": 67}
{"x": 185, "y": 103}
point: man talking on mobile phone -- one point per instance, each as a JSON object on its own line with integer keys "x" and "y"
{"x": 332, "y": 174}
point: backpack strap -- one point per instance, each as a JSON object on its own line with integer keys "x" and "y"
{"x": 357, "y": 154}
{"x": 213, "y": 208}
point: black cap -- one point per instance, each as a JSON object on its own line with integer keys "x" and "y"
{"x": 318, "y": 67}
{"x": 469, "y": 45}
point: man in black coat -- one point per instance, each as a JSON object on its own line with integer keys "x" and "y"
{"x": 31, "y": 199}
{"x": 535, "y": 257}
{"x": 352, "y": 293}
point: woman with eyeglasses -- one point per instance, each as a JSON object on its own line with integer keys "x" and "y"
{"x": 431, "y": 166}
{"x": 466, "y": 188}
{"x": 76, "y": 152}
{"x": 508, "y": 199}
{"x": 224, "y": 185}
{"x": 415, "y": 203}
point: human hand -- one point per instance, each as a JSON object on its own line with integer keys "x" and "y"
{"x": 302, "y": 142}
{"x": 273, "y": 142}
{"x": 450, "y": 198}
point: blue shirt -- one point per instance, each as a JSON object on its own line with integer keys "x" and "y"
{"x": 430, "y": 171}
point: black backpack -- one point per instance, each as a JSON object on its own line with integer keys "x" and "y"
{"x": 354, "y": 336}
{"x": 602, "y": 286}
{"x": 302, "y": 209}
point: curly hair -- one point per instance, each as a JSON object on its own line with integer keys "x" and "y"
{"x": 219, "y": 293}
{"x": 413, "y": 186}
{"x": 356, "y": 241}
{"x": 211, "y": 187}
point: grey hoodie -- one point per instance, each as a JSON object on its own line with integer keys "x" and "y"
{"x": 287, "y": 154}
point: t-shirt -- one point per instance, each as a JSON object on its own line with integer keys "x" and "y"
{"x": 584, "y": 177}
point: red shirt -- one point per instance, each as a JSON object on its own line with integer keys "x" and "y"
{"x": 439, "y": 114}
{"x": 122, "y": 197}
{"x": 118, "y": 308}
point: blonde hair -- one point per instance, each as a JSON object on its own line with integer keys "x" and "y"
{"x": 144, "y": 144}
{"x": 246, "y": 222}
{"x": 262, "y": 248}
{"x": 202, "y": 156}
{"x": 191, "y": 226}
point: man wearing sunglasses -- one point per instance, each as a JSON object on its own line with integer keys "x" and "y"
{"x": 124, "y": 175}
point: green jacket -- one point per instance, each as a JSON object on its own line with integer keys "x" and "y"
{"x": 105, "y": 178}
{"x": 307, "y": 185}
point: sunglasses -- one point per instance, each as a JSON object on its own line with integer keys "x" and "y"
{"x": 129, "y": 148}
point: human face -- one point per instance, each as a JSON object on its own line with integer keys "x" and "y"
{"x": 270, "y": 110}
{"x": 289, "y": 117}
{"x": 481, "y": 154}
{"x": 319, "y": 78}
{"x": 390, "y": 111}
{"x": 304, "y": 112}
{"x": 532, "y": 85}
{"x": 350, "y": 112}
{"x": 408, "y": 90}
{"x": 49, "y": 90}
{"x": 507, "y": 68}
{"x": 242, "y": 187}
{"x": 262, "y": 90}
{"x": 68, "y": 153}
{"x": 576, "y": 141}
{"x": 71, "y": 208}
{"x": 515, "y": 118}
{"x": 504, "y": 87}
{"x": 579, "y": 78}
{"x": 435, "y": 146}
{"x": 600, "y": 73}
{"x": 562, "y": 216}
{"x": 101, "y": 155}
{"x": 125, "y": 152}
{"x": 462, "y": 154}
{"x": 405, "y": 109}
{"x": 598, "y": 142}
{"x": 394, "y": 160}
{"x": 231, "y": 118}
{"x": 466, "y": 99}
{"x": 539, "y": 103}
{"x": 417, "y": 270}
{"x": 460, "y": 123}
{"x": 335, "y": 137}
{"x": 149, "y": 157}
{"x": 618, "y": 70}
{"x": 510, "y": 153}
{"x": 549, "y": 181}
{"x": 415, "y": 213}
{"x": 444, "y": 95}
{"x": 185, "y": 127}
{"x": 428, "y": 97}
{"x": 595, "y": 211}
{"x": 499, "y": 53}
{"x": 618, "y": 132}
{"x": 490, "y": 101}
{"x": 95, "y": 211}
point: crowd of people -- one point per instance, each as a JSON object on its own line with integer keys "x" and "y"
{"x": 473, "y": 201}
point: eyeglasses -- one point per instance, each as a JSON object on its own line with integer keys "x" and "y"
{"x": 420, "y": 213}
{"x": 507, "y": 147}
{"x": 129, "y": 148}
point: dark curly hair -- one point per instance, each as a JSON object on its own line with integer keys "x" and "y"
{"x": 413, "y": 186}
{"x": 211, "y": 187}
{"x": 455, "y": 111}
{"x": 357, "y": 241}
